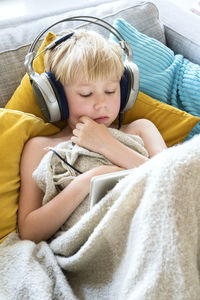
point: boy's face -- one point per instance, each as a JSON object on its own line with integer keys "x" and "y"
{"x": 98, "y": 100}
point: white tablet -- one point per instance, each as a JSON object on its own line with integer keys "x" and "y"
{"x": 101, "y": 184}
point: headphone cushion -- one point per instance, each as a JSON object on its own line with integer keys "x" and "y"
{"x": 124, "y": 88}
{"x": 60, "y": 95}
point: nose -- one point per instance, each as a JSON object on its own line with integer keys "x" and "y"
{"x": 100, "y": 101}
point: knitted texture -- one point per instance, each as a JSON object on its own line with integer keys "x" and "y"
{"x": 169, "y": 78}
{"x": 141, "y": 241}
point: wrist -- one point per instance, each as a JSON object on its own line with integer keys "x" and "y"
{"x": 111, "y": 147}
{"x": 108, "y": 146}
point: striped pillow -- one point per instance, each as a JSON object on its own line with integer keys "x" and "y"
{"x": 165, "y": 76}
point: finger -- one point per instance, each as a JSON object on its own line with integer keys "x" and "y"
{"x": 82, "y": 119}
{"x": 79, "y": 126}
{"x": 75, "y": 132}
{"x": 73, "y": 139}
{"x": 85, "y": 119}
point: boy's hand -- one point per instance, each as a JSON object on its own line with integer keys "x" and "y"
{"x": 91, "y": 135}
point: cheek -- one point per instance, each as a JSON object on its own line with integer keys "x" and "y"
{"x": 116, "y": 104}
{"x": 79, "y": 108}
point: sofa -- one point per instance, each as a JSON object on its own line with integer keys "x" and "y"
{"x": 168, "y": 61}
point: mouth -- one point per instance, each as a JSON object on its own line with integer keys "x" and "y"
{"x": 102, "y": 119}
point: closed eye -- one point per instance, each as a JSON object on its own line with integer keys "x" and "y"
{"x": 109, "y": 92}
{"x": 86, "y": 95}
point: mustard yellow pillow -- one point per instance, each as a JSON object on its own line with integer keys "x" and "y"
{"x": 173, "y": 124}
{"x": 16, "y": 128}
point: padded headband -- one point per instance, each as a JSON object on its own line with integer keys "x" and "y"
{"x": 32, "y": 55}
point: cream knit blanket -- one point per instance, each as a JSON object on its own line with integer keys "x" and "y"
{"x": 141, "y": 241}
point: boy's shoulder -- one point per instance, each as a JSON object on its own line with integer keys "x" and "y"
{"x": 38, "y": 142}
{"x": 35, "y": 148}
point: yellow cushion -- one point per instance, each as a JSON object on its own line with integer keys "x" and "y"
{"x": 16, "y": 129}
{"x": 173, "y": 124}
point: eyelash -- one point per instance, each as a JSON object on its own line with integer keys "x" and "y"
{"x": 109, "y": 93}
{"x": 86, "y": 96}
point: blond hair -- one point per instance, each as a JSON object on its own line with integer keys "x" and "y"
{"x": 87, "y": 53}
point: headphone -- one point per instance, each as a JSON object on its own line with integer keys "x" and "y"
{"x": 49, "y": 92}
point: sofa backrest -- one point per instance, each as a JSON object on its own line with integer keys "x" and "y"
{"x": 16, "y": 37}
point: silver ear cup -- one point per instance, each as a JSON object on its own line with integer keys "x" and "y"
{"x": 40, "y": 100}
{"x": 45, "y": 97}
{"x": 133, "y": 84}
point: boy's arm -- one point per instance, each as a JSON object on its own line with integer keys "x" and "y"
{"x": 37, "y": 222}
{"x": 153, "y": 140}
{"x": 96, "y": 137}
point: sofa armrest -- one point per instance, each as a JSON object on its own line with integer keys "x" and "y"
{"x": 182, "y": 27}
{"x": 182, "y": 45}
